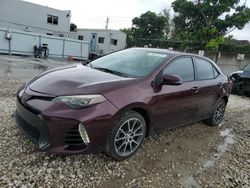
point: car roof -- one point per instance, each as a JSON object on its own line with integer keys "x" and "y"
{"x": 170, "y": 52}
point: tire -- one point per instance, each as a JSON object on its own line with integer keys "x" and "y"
{"x": 126, "y": 136}
{"x": 218, "y": 113}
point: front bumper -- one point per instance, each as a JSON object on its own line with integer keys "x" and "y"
{"x": 55, "y": 128}
{"x": 242, "y": 87}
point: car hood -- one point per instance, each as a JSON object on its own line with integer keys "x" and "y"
{"x": 242, "y": 74}
{"x": 76, "y": 80}
{"x": 237, "y": 72}
{"x": 245, "y": 74}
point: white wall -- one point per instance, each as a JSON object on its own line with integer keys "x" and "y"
{"x": 25, "y": 16}
{"x": 23, "y": 43}
{"x": 105, "y": 47}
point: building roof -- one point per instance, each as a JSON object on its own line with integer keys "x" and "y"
{"x": 101, "y": 30}
{"x": 44, "y": 6}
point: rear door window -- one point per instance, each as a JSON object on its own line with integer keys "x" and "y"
{"x": 182, "y": 67}
{"x": 205, "y": 70}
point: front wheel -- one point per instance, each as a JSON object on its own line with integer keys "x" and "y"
{"x": 218, "y": 113}
{"x": 126, "y": 136}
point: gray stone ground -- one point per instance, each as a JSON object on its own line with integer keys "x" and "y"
{"x": 193, "y": 156}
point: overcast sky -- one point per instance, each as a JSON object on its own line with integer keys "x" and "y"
{"x": 93, "y": 13}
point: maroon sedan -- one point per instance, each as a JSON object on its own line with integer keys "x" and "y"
{"x": 114, "y": 102}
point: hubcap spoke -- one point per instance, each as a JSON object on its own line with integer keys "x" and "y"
{"x": 121, "y": 146}
{"x": 130, "y": 145}
{"x": 140, "y": 126}
{"x": 119, "y": 139}
{"x": 124, "y": 150}
{"x": 135, "y": 142}
{"x": 134, "y": 125}
{"x": 138, "y": 134}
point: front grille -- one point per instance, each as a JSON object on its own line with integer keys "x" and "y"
{"x": 32, "y": 133}
{"x": 74, "y": 140}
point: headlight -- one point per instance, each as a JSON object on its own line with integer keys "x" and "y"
{"x": 80, "y": 101}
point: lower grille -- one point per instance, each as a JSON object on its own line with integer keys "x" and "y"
{"x": 32, "y": 126}
{"x": 28, "y": 130}
{"x": 74, "y": 140}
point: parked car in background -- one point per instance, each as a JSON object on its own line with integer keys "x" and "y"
{"x": 116, "y": 101}
{"x": 241, "y": 81}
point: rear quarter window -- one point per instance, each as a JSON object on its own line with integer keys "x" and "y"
{"x": 205, "y": 70}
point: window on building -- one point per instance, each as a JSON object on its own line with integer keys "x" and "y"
{"x": 61, "y": 35}
{"x": 52, "y": 19}
{"x": 101, "y": 40}
{"x": 114, "y": 42}
{"x": 80, "y": 37}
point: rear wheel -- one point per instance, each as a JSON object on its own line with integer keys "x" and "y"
{"x": 218, "y": 114}
{"x": 126, "y": 136}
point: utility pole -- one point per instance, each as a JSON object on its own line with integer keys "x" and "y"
{"x": 107, "y": 23}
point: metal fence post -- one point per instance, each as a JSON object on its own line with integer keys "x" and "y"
{"x": 63, "y": 48}
{"x": 9, "y": 47}
{"x": 40, "y": 40}
{"x": 81, "y": 50}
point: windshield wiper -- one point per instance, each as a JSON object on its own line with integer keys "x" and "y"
{"x": 87, "y": 63}
{"x": 111, "y": 71}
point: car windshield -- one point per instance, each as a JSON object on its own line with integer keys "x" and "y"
{"x": 247, "y": 68}
{"x": 130, "y": 62}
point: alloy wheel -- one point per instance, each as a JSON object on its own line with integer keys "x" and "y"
{"x": 219, "y": 112}
{"x": 129, "y": 137}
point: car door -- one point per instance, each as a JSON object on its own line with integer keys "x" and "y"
{"x": 178, "y": 105}
{"x": 210, "y": 87}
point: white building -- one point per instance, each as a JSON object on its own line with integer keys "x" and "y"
{"x": 102, "y": 41}
{"x": 25, "y": 16}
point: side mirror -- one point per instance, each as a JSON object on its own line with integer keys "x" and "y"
{"x": 170, "y": 79}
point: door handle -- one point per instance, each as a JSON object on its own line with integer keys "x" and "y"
{"x": 195, "y": 89}
{"x": 220, "y": 84}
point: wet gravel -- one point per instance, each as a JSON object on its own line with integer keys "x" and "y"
{"x": 177, "y": 158}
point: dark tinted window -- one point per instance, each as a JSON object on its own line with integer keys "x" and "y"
{"x": 131, "y": 62}
{"x": 52, "y": 19}
{"x": 204, "y": 69}
{"x": 114, "y": 42}
{"x": 182, "y": 67}
{"x": 80, "y": 37}
{"x": 101, "y": 40}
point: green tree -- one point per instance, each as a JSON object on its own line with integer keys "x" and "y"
{"x": 206, "y": 22}
{"x": 148, "y": 28}
{"x": 167, "y": 27}
{"x": 130, "y": 37}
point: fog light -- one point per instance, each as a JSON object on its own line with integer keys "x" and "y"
{"x": 83, "y": 134}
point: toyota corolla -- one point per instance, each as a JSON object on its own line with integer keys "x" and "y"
{"x": 116, "y": 101}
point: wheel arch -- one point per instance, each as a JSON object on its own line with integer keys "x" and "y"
{"x": 225, "y": 98}
{"x": 143, "y": 110}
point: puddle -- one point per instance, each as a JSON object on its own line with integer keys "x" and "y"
{"x": 23, "y": 68}
{"x": 191, "y": 183}
{"x": 228, "y": 139}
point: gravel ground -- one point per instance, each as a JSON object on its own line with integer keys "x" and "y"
{"x": 194, "y": 156}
